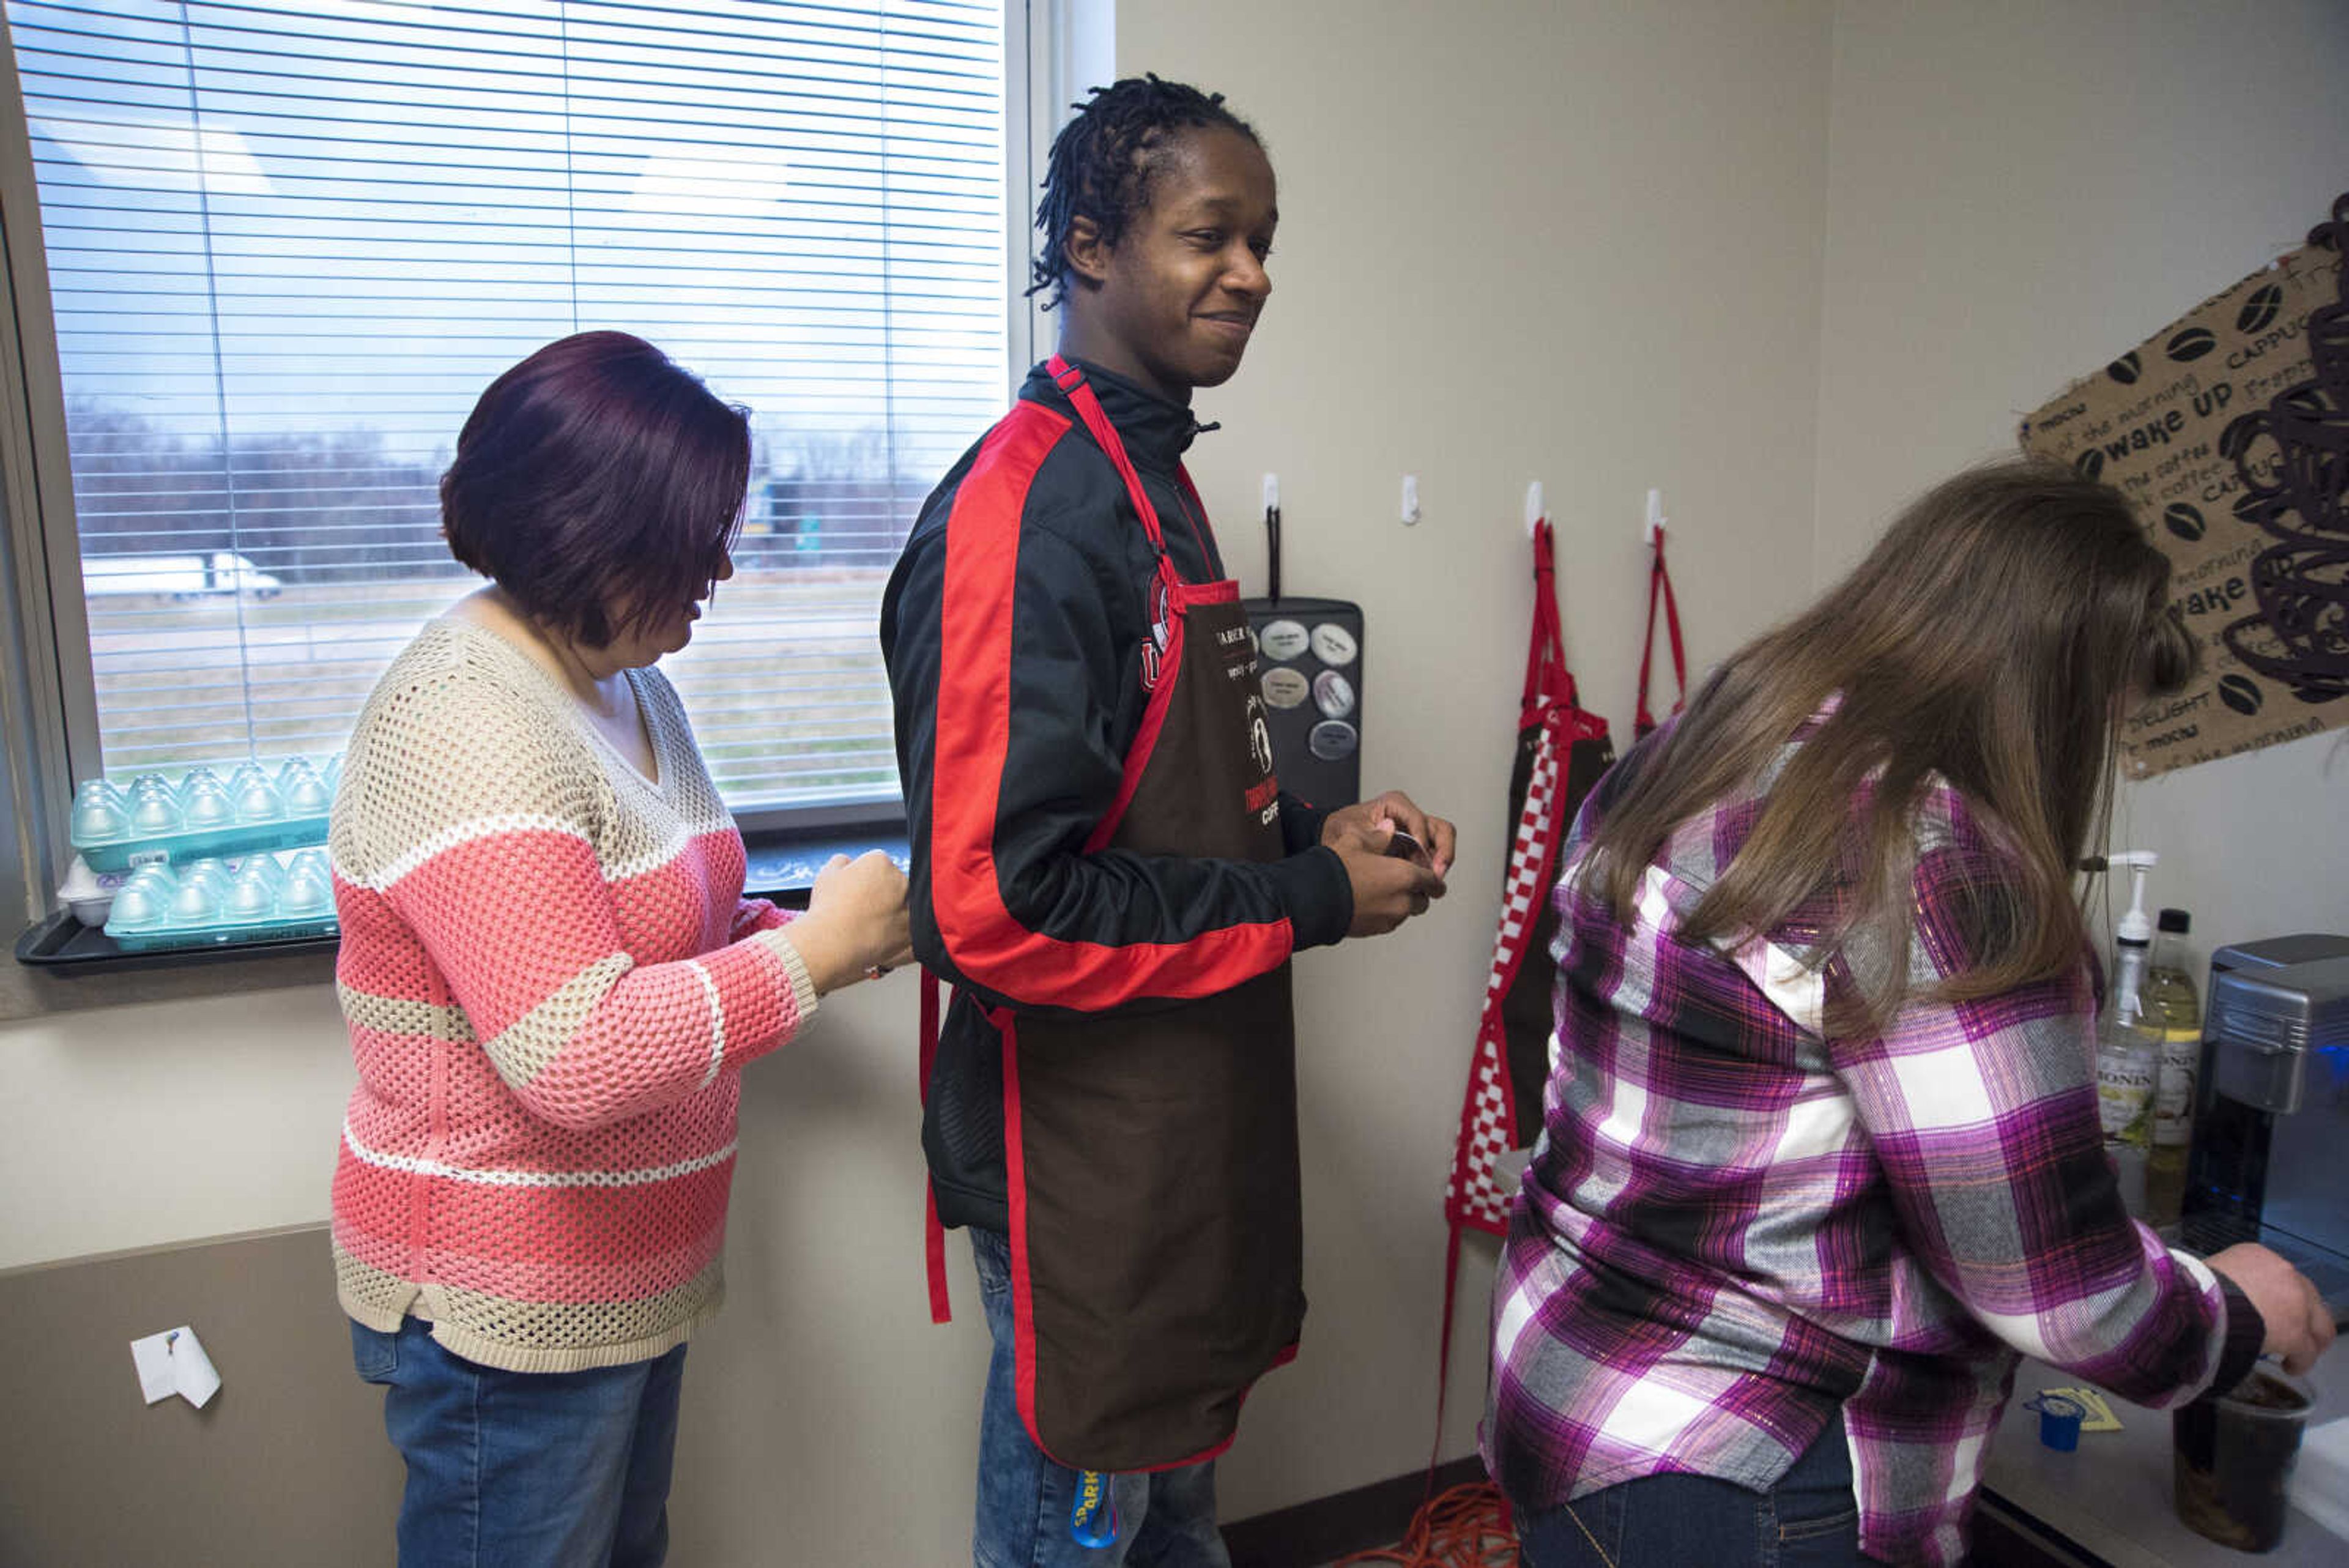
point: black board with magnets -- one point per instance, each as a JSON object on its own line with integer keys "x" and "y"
{"x": 1308, "y": 670}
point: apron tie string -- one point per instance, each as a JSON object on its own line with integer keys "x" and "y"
{"x": 934, "y": 1235}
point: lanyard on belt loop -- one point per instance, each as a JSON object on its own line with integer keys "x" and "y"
{"x": 1660, "y": 584}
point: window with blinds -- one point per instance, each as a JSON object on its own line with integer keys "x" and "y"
{"x": 290, "y": 241}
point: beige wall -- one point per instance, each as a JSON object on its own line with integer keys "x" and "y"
{"x": 2018, "y": 191}
{"x": 1590, "y": 244}
{"x": 144, "y": 1125}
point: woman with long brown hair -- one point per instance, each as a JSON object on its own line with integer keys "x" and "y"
{"x": 1821, "y": 1158}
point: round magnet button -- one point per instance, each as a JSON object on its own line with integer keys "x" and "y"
{"x": 1334, "y": 694}
{"x": 1333, "y": 644}
{"x": 1286, "y": 687}
{"x": 1333, "y": 740}
{"x": 1283, "y": 639}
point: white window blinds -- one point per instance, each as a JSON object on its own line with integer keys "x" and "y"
{"x": 290, "y": 241}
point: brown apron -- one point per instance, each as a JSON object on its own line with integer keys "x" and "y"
{"x": 1157, "y": 1233}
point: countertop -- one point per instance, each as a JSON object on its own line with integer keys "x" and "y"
{"x": 2113, "y": 1496}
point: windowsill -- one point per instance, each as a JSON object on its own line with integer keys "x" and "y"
{"x": 58, "y": 960}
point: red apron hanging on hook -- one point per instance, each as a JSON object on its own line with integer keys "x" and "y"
{"x": 1659, "y": 586}
{"x": 1562, "y": 749}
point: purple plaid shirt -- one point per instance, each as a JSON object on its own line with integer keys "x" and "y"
{"x": 1734, "y": 1224}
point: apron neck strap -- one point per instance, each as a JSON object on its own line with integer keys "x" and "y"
{"x": 1072, "y": 382}
{"x": 1659, "y": 586}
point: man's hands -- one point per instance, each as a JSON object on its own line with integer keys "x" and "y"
{"x": 1389, "y": 890}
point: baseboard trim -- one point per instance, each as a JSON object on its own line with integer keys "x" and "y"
{"x": 1329, "y": 1527}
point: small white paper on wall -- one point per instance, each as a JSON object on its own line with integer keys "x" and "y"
{"x": 174, "y": 1361}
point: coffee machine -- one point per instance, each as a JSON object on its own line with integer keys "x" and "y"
{"x": 2269, "y": 1160}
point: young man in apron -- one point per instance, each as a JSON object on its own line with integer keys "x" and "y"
{"x": 1105, "y": 868}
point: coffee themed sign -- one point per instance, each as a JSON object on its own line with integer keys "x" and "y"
{"x": 2230, "y": 430}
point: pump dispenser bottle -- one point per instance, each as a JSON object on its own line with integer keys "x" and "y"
{"x": 2128, "y": 1052}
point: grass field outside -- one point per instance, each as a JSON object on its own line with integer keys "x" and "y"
{"x": 784, "y": 679}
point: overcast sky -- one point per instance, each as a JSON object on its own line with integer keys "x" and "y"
{"x": 297, "y": 213}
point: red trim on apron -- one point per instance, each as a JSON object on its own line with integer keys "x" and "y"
{"x": 1145, "y": 738}
{"x": 1014, "y": 1170}
{"x": 1072, "y": 382}
{"x": 1179, "y": 594}
{"x": 1162, "y": 697}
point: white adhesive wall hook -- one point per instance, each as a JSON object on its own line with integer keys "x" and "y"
{"x": 1410, "y": 499}
{"x": 1272, "y": 493}
{"x": 1654, "y": 524}
{"x": 1535, "y": 509}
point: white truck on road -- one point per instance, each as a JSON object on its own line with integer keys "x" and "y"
{"x": 177, "y": 576}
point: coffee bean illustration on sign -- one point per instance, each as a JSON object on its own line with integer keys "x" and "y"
{"x": 2229, "y": 432}
{"x": 2293, "y": 457}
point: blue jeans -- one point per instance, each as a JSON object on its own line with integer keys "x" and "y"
{"x": 525, "y": 1470}
{"x": 1809, "y": 1519}
{"x": 1166, "y": 1519}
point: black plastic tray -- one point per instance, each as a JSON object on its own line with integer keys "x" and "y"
{"x": 71, "y": 949}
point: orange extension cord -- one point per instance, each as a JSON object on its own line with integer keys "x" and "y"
{"x": 1467, "y": 1527}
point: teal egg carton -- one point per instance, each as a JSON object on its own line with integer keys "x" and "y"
{"x": 204, "y": 815}
{"x": 262, "y": 898}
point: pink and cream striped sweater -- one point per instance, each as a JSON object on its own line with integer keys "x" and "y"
{"x": 550, "y": 979}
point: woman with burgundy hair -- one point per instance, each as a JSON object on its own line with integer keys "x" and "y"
{"x": 550, "y": 975}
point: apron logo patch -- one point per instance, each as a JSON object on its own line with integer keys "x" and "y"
{"x": 1162, "y": 632}
{"x": 1260, "y": 743}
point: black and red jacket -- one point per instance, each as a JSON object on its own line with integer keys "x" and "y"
{"x": 1014, "y": 629}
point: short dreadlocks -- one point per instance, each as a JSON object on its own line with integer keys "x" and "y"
{"x": 1104, "y": 160}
